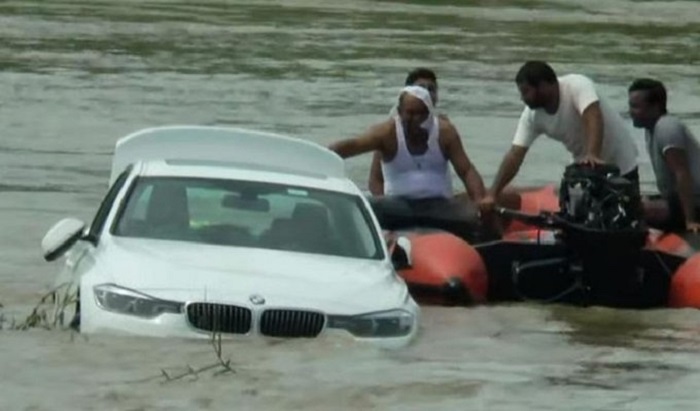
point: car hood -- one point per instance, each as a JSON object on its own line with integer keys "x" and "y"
{"x": 198, "y": 272}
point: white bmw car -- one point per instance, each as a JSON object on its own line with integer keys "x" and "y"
{"x": 223, "y": 230}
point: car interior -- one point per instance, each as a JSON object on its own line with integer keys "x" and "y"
{"x": 168, "y": 216}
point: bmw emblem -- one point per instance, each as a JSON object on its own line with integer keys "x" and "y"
{"x": 257, "y": 299}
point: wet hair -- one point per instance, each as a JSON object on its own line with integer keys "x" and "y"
{"x": 420, "y": 72}
{"x": 654, "y": 91}
{"x": 535, "y": 73}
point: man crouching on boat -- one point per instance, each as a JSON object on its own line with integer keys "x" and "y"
{"x": 415, "y": 147}
{"x": 420, "y": 76}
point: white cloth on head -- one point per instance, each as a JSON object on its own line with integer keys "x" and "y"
{"x": 424, "y": 95}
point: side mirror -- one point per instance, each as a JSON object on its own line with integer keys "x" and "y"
{"x": 401, "y": 255}
{"x": 61, "y": 237}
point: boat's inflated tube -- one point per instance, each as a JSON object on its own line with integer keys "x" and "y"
{"x": 442, "y": 269}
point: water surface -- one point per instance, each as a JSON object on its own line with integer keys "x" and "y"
{"x": 77, "y": 75}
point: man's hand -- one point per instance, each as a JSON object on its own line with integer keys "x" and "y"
{"x": 692, "y": 226}
{"x": 487, "y": 204}
{"x": 592, "y": 160}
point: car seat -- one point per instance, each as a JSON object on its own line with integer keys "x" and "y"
{"x": 168, "y": 214}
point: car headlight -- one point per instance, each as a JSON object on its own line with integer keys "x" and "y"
{"x": 121, "y": 300}
{"x": 394, "y": 323}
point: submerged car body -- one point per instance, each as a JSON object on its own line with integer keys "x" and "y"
{"x": 221, "y": 230}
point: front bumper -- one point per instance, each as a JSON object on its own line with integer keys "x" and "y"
{"x": 198, "y": 320}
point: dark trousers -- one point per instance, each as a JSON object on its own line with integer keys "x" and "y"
{"x": 453, "y": 215}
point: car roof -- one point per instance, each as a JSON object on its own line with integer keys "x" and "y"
{"x": 245, "y": 172}
{"x": 240, "y": 148}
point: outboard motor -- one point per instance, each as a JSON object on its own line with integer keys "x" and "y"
{"x": 605, "y": 233}
{"x": 599, "y": 198}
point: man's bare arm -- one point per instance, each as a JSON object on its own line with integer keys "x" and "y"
{"x": 510, "y": 165}
{"x": 593, "y": 127}
{"x": 376, "y": 177}
{"x": 371, "y": 140}
{"x": 678, "y": 163}
{"x": 463, "y": 166}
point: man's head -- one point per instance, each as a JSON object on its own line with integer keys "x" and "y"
{"x": 425, "y": 78}
{"x": 647, "y": 102}
{"x": 415, "y": 109}
{"x": 537, "y": 84}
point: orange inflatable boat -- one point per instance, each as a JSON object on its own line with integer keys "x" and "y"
{"x": 587, "y": 246}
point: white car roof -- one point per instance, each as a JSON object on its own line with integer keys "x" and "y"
{"x": 262, "y": 154}
{"x": 238, "y": 171}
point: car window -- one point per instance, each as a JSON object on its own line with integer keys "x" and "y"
{"x": 249, "y": 214}
{"x": 100, "y": 218}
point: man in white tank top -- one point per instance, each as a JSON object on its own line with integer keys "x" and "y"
{"x": 567, "y": 109}
{"x": 416, "y": 146}
{"x": 419, "y": 76}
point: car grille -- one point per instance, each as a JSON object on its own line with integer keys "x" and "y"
{"x": 291, "y": 323}
{"x": 220, "y": 318}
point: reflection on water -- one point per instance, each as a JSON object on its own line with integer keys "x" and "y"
{"x": 77, "y": 75}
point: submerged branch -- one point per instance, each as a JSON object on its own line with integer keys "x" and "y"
{"x": 48, "y": 313}
{"x": 220, "y": 367}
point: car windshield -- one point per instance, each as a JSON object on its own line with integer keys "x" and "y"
{"x": 249, "y": 214}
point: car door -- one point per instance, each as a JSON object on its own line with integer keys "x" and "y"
{"x": 80, "y": 258}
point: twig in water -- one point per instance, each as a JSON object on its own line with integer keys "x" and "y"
{"x": 216, "y": 343}
{"x": 223, "y": 365}
{"x": 39, "y": 316}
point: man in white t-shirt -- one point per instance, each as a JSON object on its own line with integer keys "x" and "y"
{"x": 567, "y": 109}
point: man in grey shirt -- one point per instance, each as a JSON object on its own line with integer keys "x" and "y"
{"x": 674, "y": 153}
